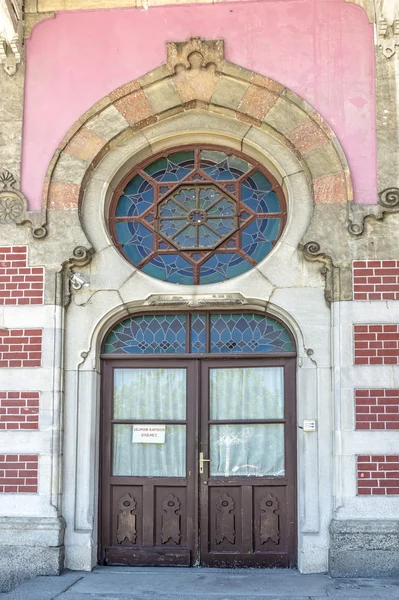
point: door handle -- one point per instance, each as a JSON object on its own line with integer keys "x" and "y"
{"x": 201, "y": 462}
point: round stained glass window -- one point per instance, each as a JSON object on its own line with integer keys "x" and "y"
{"x": 197, "y": 215}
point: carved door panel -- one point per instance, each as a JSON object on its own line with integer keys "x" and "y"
{"x": 247, "y": 489}
{"x": 148, "y": 472}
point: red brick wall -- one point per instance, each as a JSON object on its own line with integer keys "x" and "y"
{"x": 377, "y": 409}
{"x": 20, "y": 348}
{"x": 376, "y": 344}
{"x": 18, "y": 473}
{"x": 19, "y": 283}
{"x": 377, "y": 475}
{"x": 19, "y": 410}
{"x": 376, "y": 280}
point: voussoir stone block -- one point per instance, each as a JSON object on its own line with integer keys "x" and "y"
{"x": 323, "y": 161}
{"x": 135, "y": 107}
{"x": 196, "y": 84}
{"x": 69, "y": 169}
{"x": 284, "y": 116}
{"x": 162, "y": 95}
{"x": 307, "y": 136}
{"x": 229, "y": 92}
{"x": 258, "y": 101}
{"x": 85, "y": 144}
{"x": 331, "y": 188}
{"x": 63, "y": 195}
{"x": 108, "y": 123}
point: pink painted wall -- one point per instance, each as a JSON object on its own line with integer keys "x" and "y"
{"x": 322, "y": 50}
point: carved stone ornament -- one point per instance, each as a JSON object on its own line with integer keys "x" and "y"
{"x": 387, "y": 31}
{"x": 13, "y": 205}
{"x": 195, "y": 54}
{"x": 312, "y": 253}
{"x": 81, "y": 257}
{"x": 11, "y": 35}
{"x": 388, "y": 203}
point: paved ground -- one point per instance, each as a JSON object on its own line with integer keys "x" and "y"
{"x": 119, "y": 583}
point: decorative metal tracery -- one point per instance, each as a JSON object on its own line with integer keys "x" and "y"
{"x": 197, "y": 215}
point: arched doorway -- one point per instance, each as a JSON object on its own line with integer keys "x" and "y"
{"x": 198, "y": 443}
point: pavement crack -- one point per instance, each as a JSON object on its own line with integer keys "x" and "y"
{"x": 68, "y": 588}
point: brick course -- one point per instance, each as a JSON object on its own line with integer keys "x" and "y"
{"x": 19, "y": 410}
{"x": 377, "y": 475}
{"x": 376, "y": 344}
{"x": 18, "y": 473}
{"x": 20, "y": 348}
{"x": 19, "y": 283}
{"x": 377, "y": 409}
{"x": 376, "y": 280}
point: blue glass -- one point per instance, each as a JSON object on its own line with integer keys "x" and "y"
{"x": 170, "y": 267}
{"x": 223, "y": 266}
{"x": 148, "y": 334}
{"x": 229, "y": 333}
{"x": 173, "y": 168}
{"x": 137, "y": 197}
{"x": 198, "y": 333}
{"x": 248, "y": 333}
{"x": 257, "y": 193}
{"x": 258, "y": 236}
{"x": 220, "y": 166}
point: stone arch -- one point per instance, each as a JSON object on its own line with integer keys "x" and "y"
{"x": 197, "y": 77}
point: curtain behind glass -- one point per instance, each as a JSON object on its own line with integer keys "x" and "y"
{"x": 247, "y": 449}
{"x": 247, "y": 393}
{"x": 150, "y": 394}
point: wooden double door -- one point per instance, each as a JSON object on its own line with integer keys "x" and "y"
{"x": 198, "y": 462}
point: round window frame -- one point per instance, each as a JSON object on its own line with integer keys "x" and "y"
{"x": 111, "y": 219}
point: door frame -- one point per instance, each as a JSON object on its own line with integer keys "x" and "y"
{"x": 178, "y": 360}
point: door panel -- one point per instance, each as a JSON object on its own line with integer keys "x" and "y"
{"x": 148, "y": 474}
{"x": 247, "y": 490}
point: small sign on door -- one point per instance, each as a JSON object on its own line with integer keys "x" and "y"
{"x": 149, "y": 434}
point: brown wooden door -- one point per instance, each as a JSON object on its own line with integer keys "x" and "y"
{"x": 161, "y": 505}
{"x": 148, "y": 499}
{"x": 247, "y": 489}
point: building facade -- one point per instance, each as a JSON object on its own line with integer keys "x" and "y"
{"x": 199, "y": 285}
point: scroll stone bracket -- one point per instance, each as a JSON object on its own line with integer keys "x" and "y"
{"x": 358, "y": 213}
{"x": 81, "y": 257}
{"x": 312, "y": 253}
{"x": 14, "y": 207}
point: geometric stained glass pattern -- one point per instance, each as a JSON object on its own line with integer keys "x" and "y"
{"x": 197, "y": 215}
{"x": 248, "y": 333}
{"x": 217, "y": 332}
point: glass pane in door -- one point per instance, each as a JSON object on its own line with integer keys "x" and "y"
{"x": 137, "y": 459}
{"x": 151, "y": 440}
{"x": 247, "y": 393}
{"x": 247, "y": 449}
{"x": 150, "y": 394}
